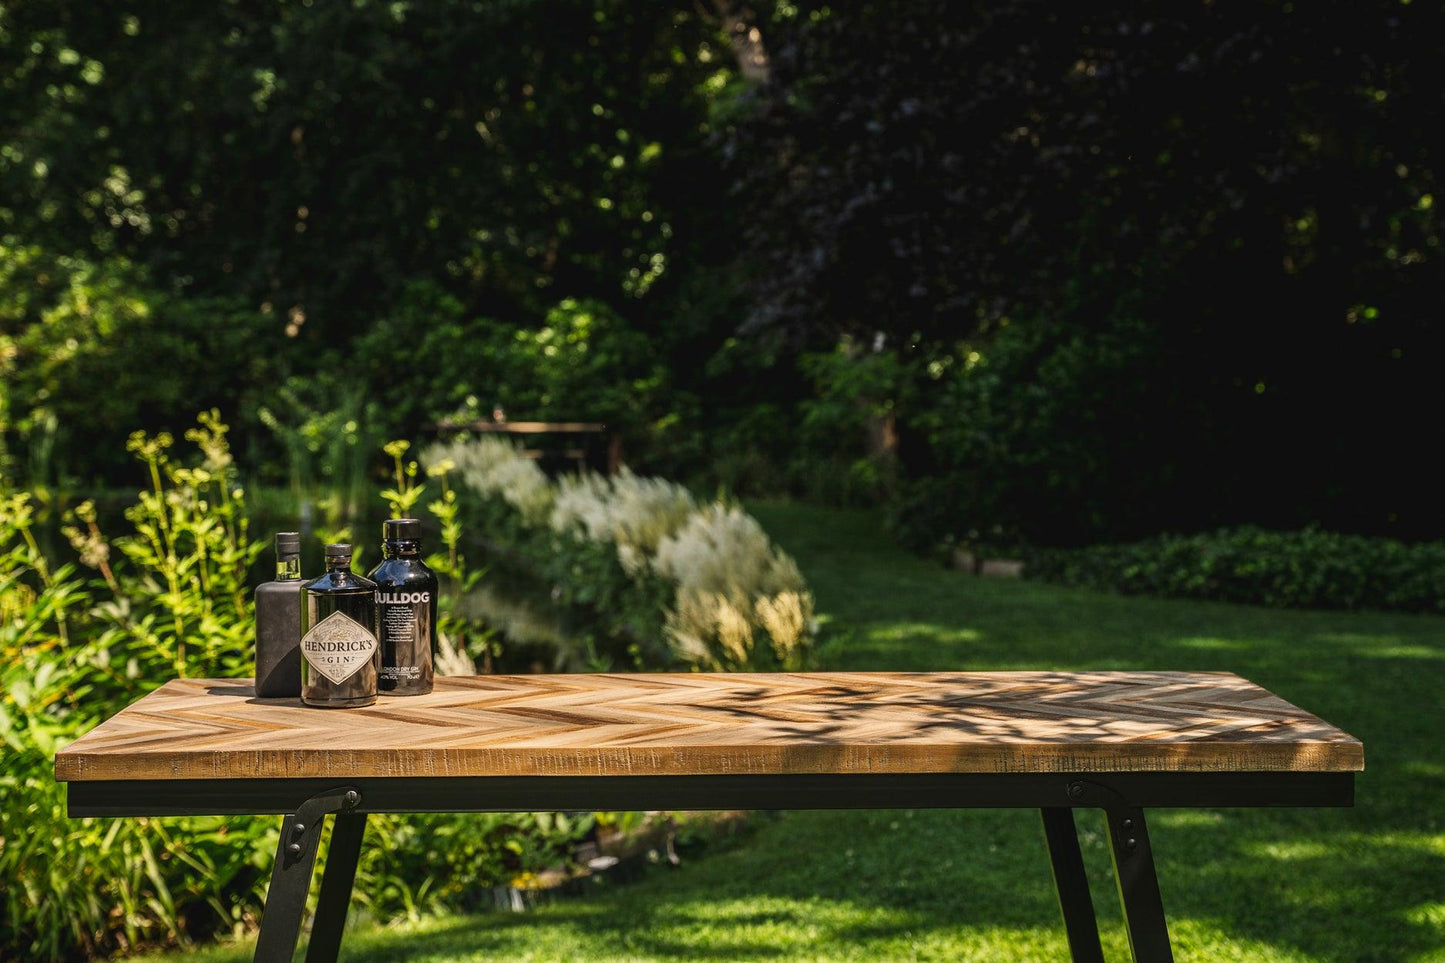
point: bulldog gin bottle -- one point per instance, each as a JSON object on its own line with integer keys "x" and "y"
{"x": 406, "y": 604}
{"x": 339, "y": 650}
{"x": 278, "y": 624}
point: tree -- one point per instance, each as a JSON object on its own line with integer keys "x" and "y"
{"x": 929, "y": 166}
{"x": 317, "y": 158}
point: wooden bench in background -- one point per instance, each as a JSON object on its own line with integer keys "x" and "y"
{"x": 592, "y": 445}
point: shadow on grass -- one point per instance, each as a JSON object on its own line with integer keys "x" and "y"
{"x": 1339, "y": 885}
{"x": 1291, "y": 896}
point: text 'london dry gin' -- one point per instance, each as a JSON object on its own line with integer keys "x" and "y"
{"x": 406, "y": 606}
{"x": 340, "y": 653}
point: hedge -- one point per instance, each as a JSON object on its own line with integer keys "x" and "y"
{"x": 1302, "y": 569}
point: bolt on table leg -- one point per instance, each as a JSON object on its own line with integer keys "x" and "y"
{"x": 1138, "y": 886}
{"x": 1072, "y": 885}
{"x": 347, "y": 830}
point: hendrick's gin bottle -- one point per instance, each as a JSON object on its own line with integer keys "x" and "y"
{"x": 406, "y": 603}
{"x": 278, "y": 623}
{"x": 339, "y": 650}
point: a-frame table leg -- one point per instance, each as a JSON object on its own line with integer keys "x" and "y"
{"x": 286, "y": 896}
{"x": 291, "y": 873}
{"x": 1138, "y": 885}
{"x": 341, "y": 855}
{"x": 1072, "y": 885}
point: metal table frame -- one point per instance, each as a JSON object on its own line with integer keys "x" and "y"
{"x": 1123, "y": 796}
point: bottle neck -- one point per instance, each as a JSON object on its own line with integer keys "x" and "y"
{"x": 288, "y": 568}
{"x": 338, "y": 565}
{"x": 404, "y": 549}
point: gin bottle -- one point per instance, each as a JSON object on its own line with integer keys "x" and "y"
{"x": 278, "y": 624}
{"x": 339, "y": 650}
{"x": 406, "y": 603}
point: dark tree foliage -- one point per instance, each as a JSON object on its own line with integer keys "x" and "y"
{"x": 318, "y": 156}
{"x": 1257, "y": 182}
{"x": 1213, "y": 228}
{"x": 933, "y": 164}
{"x": 317, "y": 164}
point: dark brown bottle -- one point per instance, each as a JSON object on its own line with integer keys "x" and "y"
{"x": 340, "y": 654}
{"x": 406, "y": 604}
{"x": 278, "y": 624}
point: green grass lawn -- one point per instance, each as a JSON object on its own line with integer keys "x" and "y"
{"x": 1277, "y": 885}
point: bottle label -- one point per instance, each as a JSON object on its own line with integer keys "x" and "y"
{"x": 406, "y": 634}
{"x": 390, "y": 597}
{"x": 337, "y": 646}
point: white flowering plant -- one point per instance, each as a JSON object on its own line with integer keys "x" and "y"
{"x": 662, "y": 578}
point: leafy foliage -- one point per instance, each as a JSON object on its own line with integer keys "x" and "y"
{"x": 1037, "y": 436}
{"x": 349, "y": 149}
{"x": 1223, "y": 222}
{"x": 1219, "y": 223}
{"x": 174, "y": 601}
{"x": 1305, "y": 569}
{"x": 924, "y": 166}
{"x": 580, "y": 362}
{"x": 1101, "y": 426}
{"x": 94, "y": 349}
{"x": 368, "y": 192}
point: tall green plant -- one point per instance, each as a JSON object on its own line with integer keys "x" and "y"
{"x": 173, "y": 601}
{"x": 407, "y": 491}
{"x": 323, "y": 428}
{"x": 463, "y": 638}
{"x": 192, "y": 534}
{"x": 72, "y": 650}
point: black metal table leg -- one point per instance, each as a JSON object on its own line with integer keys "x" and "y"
{"x": 1072, "y": 885}
{"x": 291, "y": 873}
{"x": 1138, "y": 886}
{"x": 286, "y": 896}
{"x": 347, "y": 830}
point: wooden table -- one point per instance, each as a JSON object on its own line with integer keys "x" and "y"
{"x": 1118, "y": 741}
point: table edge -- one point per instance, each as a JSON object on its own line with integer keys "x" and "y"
{"x": 1102, "y": 790}
{"x": 1340, "y": 755}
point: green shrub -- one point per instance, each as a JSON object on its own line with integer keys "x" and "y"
{"x": 1305, "y": 569}
{"x": 427, "y": 358}
{"x": 174, "y": 602}
{"x": 94, "y": 350}
{"x": 925, "y": 515}
{"x": 329, "y": 432}
{"x": 857, "y": 395}
{"x": 1036, "y": 436}
{"x": 582, "y": 362}
{"x": 679, "y": 583}
{"x": 424, "y": 356}
{"x": 813, "y": 425}
{"x": 171, "y": 599}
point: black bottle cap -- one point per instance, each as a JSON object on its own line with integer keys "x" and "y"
{"x": 339, "y": 550}
{"x": 401, "y": 529}
{"x": 288, "y": 543}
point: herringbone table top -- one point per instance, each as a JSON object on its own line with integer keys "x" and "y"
{"x": 715, "y": 724}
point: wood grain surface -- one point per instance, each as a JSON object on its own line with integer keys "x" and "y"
{"x": 742, "y": 723}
